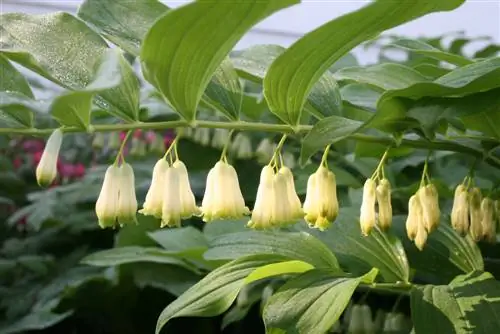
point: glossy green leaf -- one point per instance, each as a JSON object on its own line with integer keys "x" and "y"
{"x": 179, "y": 239}
{"x": 294, "y": 246}
{"x": 42, "y": 43}
{"x": 16, "y": 109}
{"x": 314, "y": 53}
{"x": 253, "y": 63}
{"x": 39, "y": 320}
{"x": 469, "y": 304}
{"x": 131, "y": 254}
{"x": 168, "y": 56}
{"x": 215, "y": 293}
{"x": 360, "y": 95}
{"x": 12, "y": 79}
{"x": 125, "y": 23}
{"x": 381, "y": 250}
{"x": 385, "y": 76}
{"x": 431, "y": 71}
{"x": 327, "y": 131}
{"x": 224, "y": 91}
{"x": 445, "y": 255}
{"x": 311, "y": 302}
{"x": 276, "y": 269}
{"x": 425, "y": 49}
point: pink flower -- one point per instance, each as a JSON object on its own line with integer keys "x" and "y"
{"x": 138, "y": 133}
{"x": 33, "y": 145}
{"x": 79, "y": 170}
{"x": 36, "y": 157}
{"x": 18, "y": 162}
{"x": 150, "y": 136}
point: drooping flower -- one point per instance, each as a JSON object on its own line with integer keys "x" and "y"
{"x": 172, "y": 205}
{"x": 265, "y": 151}
{"x": 46, "y": 171}
{"x": 114, "y": 141}
{"x": 488, "y": 222}
{"x": 127, "y": 201}
{"x": 414, "y": 217}
{"x": 156, "y": 143}
{"x": 460, "y": 210}
{"x": 202, "y": 136}
{"x": 476, "y": 215}
{"x": 98, "y": 141}
{"x": 223, "y": 198}
{"x": 384, "y": 204}
{"x": 289, "y": 160}
{"x": 321, "y": 205}
{"x": 262, "y": 214}
{"x": 153, "y": 204}
{"x": 220, "y": 138}
{"x": 295, "y": 207}
{"x": 367, "y": 217}
{"x": 106, "y": 207}
{"x": 188, "y": 201}
{"x": 429, "y": 199}
{"x": 242, "y": 146}
{"x": 421, "y": 237}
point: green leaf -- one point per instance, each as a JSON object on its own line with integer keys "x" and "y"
{"x": 122, "y": 255}
{"x": 35, "y": 321}
{"x": 325, "y": 97}
{"x": 469, "y": 304}
{"x": 381, "y": 250}
{"x": 16, "y": 109}
{"x": 293, "y": 246}
{"x": 276, "y": 269}
{"x": 179, "y": 239}
{"x": 12, "y": 79}
{"x": 385, "y": 76}
{"x": 124, "y": 23}
{"x": 219, "y": 228}
{"x": 445, "y": 255}
{"x": 314, "y": 53}
{"x": 215, "y": 293}
{"x": 311, "y": 302}
{"x": 425, "y": 49}
{"x": 42, "y": 43}
{"x": 172, "y": 59}
{"x": 431, "y": 71}
{"x": 224, "y": 91}
{"x": 360, "y": 95}
{"x": 327, "y": 131}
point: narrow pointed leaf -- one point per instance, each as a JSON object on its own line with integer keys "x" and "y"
{"x": 180, "y": 62}
{"x": 311, "y": 302}
{"x": 16, "y": 109}
{"x": 64, "y": 50}
{"x": 313, "y": 54}
{"x": 294, "y": 246}
{"x": 12, "y": 79}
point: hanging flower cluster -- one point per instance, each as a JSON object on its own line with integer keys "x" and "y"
{"x": 474, "y": 214}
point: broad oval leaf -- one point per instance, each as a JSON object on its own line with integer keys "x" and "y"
{"x": 215, "y": 293}
{"x": 460, "y": 307}
{"x": 171, "y": 52}
{"x": 327, "y": 131}
{"x": 16, "y": 109}
{"x": 293, "y": 74}
{"x": 42, "y": 43}
{"x": 12, "y": 79}
{"x": 445, "y": 255}
{"x": 294, "y": 246}
{"x": 431, "y": 71}
{"x": 356, "y": 253}
{"x": 179, "y": 239}
{"x": 360, "y": 95}
{"x": 312, "y": 302}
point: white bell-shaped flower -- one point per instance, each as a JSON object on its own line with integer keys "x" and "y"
{"x": 384, "y": 204}
{"x": 153, "y": 204}
{"x": 282, "y": 214}
{"x": 220, "y": 138}
{"x": 223, "y": 198}
{"x": 265, "y": 151}
{"x": 430, "y": 205}
{"x": 476, "y": 215}
{"x": 488, "y": 222}
{"x": 262, "y": 214}
{"x": 460, "y": 210}
{"x": 367, "y": 217}
{"x": 321, "y": 206}
{"x": 294, "y": 204}
{"x": 289, "y": 160}
{"x": 46, "y": 171}
{"x": 188, "y": 201}
{"x": 414, "y": 216}
{"x": 106, "y": 207}
{"x": 127, "y": 201}
{"x": 202, "y": 136}
{"x": 172, "y": 204}
{"x": 242, "y": 146}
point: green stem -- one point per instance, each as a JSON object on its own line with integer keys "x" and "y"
{"x": 277, "y": 151}
{"x": 226, "y": 146}
{"x": 324, "y": 158}
{"x": 173, "y": 145}
{"x": 437, "y": 144}
{"x": 381, "y": 163}
{"x": 122, "y": 146}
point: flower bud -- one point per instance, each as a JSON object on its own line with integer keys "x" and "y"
{"x": 367, "y": 212}
{"x": 114, "y": 141}
{"x": 262, "y": 214}
{"x": 223, "y": 198}
{"x": 202, "y": 136}
{"x": 476, "y": 216}
{"x": 384, "y": 204}
{"x": 106, "y": 206}
{"x": 154, "y": 198}
{"x": 460, "y": 210}
{"x": 265, "y": 151}
{"x": 430, "y": 207}
{"x": 242, "y": 147}
{"x": 321, "y": 206}
{"x": 220, "y": 138}
{"x": 188, "y": 202}
{"x": 46, "y": 171}
{"x": 127, "y": 201}
{"x": 413, "y": 219}
{"x": 488, "y": 222}
{"x": 98, "y": 141}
